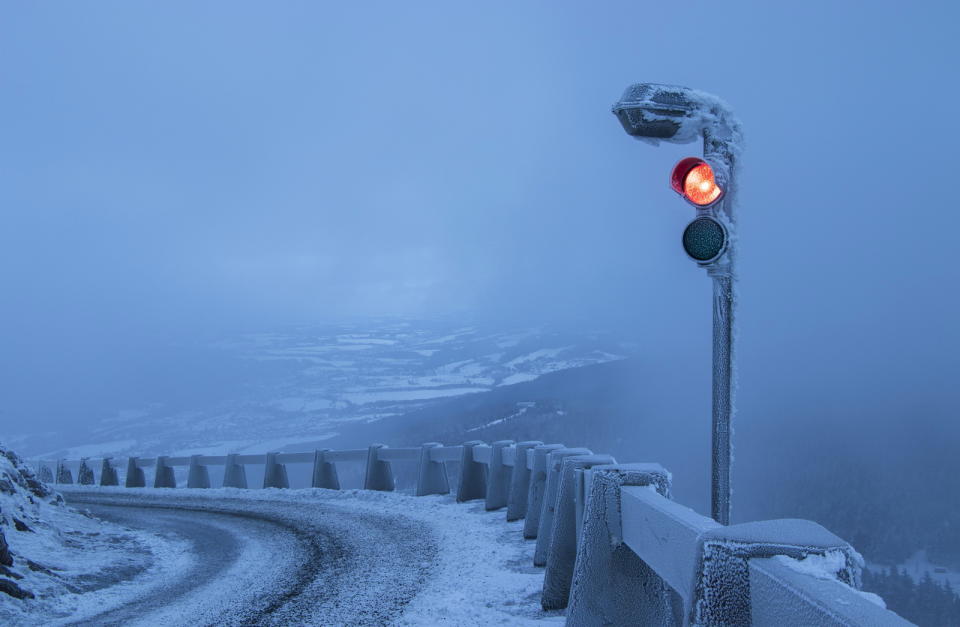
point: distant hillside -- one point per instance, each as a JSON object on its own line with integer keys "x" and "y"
{"x": 889, "y": 486}
{"x": 626, "y": 408}
{"x": 280, "y": 389}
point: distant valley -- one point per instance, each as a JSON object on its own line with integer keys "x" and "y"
{"x": 278, "y": 390}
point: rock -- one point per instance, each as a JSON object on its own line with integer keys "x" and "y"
{"x": 5, "y": 558}
{"x": 38, "y": 568}
{"x": 24, "y": 477}
{"x": 14, "y": 590}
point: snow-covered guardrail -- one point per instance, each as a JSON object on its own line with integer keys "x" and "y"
{"x": 617, "y": 550}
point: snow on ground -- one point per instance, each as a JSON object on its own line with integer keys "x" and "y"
{"x": 520, "y": 377}
{"x": 543, "y": 353}
{"x": 485, "y": 573}
{"x": 70, "y": 563}
{"x": 408, "y": 395}
{"x": 481, "y": 574}
{"x": 524, "y": 408}
{"x": 92, "y": 565}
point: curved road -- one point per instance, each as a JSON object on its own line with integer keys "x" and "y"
{"x": 269, "y": 562}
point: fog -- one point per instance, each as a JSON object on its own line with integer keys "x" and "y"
{"x": 176, "y": 173}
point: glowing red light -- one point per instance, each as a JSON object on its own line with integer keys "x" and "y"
{"x": 693, "y": 179}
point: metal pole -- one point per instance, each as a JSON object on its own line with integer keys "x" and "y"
{"x": 717, "y": 150}
{"x": 722, "y": 452}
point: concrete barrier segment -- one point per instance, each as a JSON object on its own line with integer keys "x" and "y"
{"x": 722, "y": 579}
{"x": 85, "y": 473}
{"x": 63, "y": 474}
{"x": 610, "y": 584}
{"x": 45, "y": 474}
{"x": 274, "y": 473}
{"x": 324, "y": 472}
{"x": 498, "y": 477}
{"x": 538, "y": 483}
{"x": 163, "y": 476}
{"x": 431, "y": 475}
{"x": 234, "y": 473}
{"x": 520, "y": 481}
{"x": 379, "y": 475}
{"x": 108, "y": 474}
{"x": 473, "y": 475}
{"x": 135, "y": 478}
{"x": 549, "y": 506}
{"x": 197, "y": 475}
{"x": 562, "y": 552}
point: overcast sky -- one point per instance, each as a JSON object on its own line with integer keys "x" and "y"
{"x": 174, "y": 170}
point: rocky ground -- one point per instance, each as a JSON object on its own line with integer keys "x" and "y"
{"x": 51, "y": 555}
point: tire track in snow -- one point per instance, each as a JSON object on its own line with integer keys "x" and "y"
{"x": 335, "y": 568}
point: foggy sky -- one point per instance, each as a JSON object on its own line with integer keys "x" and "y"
{"x": 171, "y": 171}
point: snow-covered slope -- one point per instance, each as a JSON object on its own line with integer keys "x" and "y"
{"x": 51, "y": 556}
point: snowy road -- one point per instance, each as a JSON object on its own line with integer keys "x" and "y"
{"x": 271, "y": 563}
{"x": 215, "y": 543}
{"x": 270, "y": 557}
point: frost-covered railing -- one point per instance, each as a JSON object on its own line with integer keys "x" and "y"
{"x": 616, "y": 549}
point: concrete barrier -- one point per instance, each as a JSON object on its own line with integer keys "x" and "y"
{"x": 234, "y": 473}
{"x": 136, "y": 478}
{"x": 562, "y": 552}
{"x": 197, "y": 475}
{"x": 324, "y": 472}
{"x": 163, "y": 476}
{"x": 85, "y": 473}
{"x": 498, "y": 477}
{"x": 275, "y": 473}
{"x": 617, "y": 549}
{"x": 431, "y": 475}
{"x": 611, "y": 585}
{"x": 473, "y": 474}
{"x": 108, "y": 474}
{"x": 63, "y": 474}
{"x": 721, "y": 590}
{"x": 520, "y": 481}
{"x": 379, "y": 475}
{"x": 549, "y": 507}
{"x": 45, "y": 474}
{"x": 782, "y": 594}
{"x": 538, "y": 483}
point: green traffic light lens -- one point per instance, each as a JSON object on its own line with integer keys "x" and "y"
{"x": 704, "y": 239}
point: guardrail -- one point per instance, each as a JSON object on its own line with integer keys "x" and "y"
{"x": 617, "y": 550}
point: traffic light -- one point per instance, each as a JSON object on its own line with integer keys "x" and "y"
{"x": 705, "y": 238}
{"x": 653, "y": 113}
{"x": 693, "y": 179}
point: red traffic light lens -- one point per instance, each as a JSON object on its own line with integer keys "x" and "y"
{"x": 700, "y": 187}
{"x": 693, "y": 179}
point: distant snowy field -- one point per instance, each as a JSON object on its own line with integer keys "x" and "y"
{"x": 481, "y": 572}
{"x": 273, "y": 391}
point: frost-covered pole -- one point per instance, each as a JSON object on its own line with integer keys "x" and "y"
{"x": 720, "y": 146}
{"x": 652, "y": 113}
